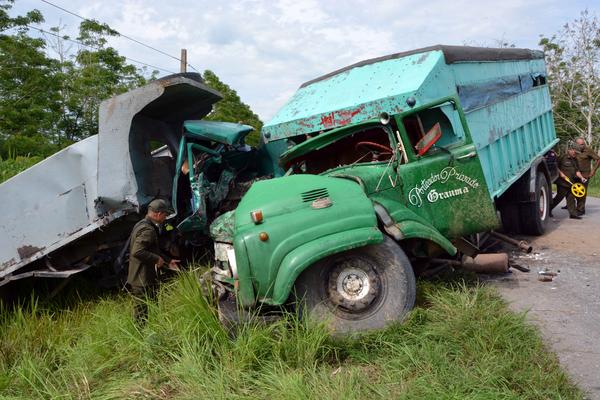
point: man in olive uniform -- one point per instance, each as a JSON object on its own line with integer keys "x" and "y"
{"x": 584, "y": 160}
{"x": 145, "y": 258}
{"x": 567, "y": 168}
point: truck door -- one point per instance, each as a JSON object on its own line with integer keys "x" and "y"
{"x": 443, "y": 180}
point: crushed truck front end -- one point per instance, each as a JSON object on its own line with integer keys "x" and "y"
{"x": 283, "y": 225}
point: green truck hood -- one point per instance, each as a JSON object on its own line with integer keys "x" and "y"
{"x": 286, "y": 195}
{"x": 222, "y": 132}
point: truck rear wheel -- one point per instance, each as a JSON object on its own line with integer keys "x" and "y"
{"x": 358, "y": 290}
{"x": 535, "y": 215}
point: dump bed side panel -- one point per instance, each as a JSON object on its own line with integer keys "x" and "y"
{"x": 509, "y": 112}
{"x": 47, "y": 203}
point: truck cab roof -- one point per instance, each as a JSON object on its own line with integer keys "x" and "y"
{"x": 221, "y": 132}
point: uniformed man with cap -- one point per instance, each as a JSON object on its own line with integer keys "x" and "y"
{"x": 568, "y": 168}
{"x": 585, "y": 156}
{"x": 145, "y": 257}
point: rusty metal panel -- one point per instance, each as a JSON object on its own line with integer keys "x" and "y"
{"x": 97, "y": 180}
{"x": 359, "y": 94}
{"x": 47, "y": 204}
{"x": 127, "y": 124}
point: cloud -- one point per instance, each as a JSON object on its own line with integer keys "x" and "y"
{"x": 266, "y": 49}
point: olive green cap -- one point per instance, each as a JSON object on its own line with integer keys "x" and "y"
{"x": 160, "y": 205}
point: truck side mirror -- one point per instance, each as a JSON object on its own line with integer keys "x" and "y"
{"x": 430, "y": 138}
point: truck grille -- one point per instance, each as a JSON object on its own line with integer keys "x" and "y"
{"x": 314, "y": 194}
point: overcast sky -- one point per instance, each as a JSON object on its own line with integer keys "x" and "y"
{"x": 266, "y": 49}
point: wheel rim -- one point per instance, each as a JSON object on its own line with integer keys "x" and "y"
{"x": 353, "y": 285}
{"x": 543, "y": 203}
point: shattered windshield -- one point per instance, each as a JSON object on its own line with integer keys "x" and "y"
{"x": 368, "y": 145}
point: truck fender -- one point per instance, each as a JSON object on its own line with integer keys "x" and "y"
{"x": 304, "y": 256}
{"x": 410, "y": 229}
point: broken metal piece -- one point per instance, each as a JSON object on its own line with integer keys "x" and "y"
{"x": 487, "y": 263}
{"x": 520, "y": 267}
{"x": 522, "y": 244}
{"x": 466, "y": 247}
{"x": 491, "y": 263}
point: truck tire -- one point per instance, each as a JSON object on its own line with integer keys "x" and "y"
{"x": 358, "y": 290}
{"x": 535, "y": 215}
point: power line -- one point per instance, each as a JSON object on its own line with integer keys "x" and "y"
{"x": 97, "y": 48}
{"x": 120, "y": 34}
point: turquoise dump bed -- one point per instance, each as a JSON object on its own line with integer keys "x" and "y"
{"x": 502, "y": 91}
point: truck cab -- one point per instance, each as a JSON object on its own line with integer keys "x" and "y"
{"x": 212, "y": 162}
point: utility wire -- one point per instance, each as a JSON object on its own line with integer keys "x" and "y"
{"x": 120, "y": 34}
{"x": 96, "y": 48}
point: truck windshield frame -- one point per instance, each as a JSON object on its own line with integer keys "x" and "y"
{"x": 465, "y": 139}
{"x": 296, "y": 155}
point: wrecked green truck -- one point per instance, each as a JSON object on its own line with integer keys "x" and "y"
{"x": 381, "y": 166}
{"x": 360, "y": 179}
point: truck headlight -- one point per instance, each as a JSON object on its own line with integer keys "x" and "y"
{"x": 224, "y": 252}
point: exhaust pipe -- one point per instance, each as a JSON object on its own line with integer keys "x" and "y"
{"x": 492, "y": 263}
{"x": 522, "y": 244}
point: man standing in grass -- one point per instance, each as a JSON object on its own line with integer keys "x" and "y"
{"x": 584, "y": 160}
{"x": 145, "y": 258}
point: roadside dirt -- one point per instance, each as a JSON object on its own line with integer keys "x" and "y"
{"x": 567, "y": 309}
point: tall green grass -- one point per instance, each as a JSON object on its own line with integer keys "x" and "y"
{"x": 594, "y": 186}
{"x": 12, "y": 166}
{"x": 460, "y": 342}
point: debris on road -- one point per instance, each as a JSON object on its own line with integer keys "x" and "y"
{"x": 546, "y": 276}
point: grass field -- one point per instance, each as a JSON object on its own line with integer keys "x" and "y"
{"x": 461, "y": 342}
{"x": 594, "y": 186}
{"x": 12, "y": 166}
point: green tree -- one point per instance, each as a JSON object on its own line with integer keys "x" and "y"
{"x": 49, "y": 102}
{"x": 95, "y": 73}
{"x": 231, "y": 108}
{"x": 573, "y": 62}
{"x": 29, "y": 88}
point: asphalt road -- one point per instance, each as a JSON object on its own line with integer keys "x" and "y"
{"x": 567, "y": 310}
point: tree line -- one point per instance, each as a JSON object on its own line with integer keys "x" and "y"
{"x": 51, "y": 84}
{"x": 573, "y": 64}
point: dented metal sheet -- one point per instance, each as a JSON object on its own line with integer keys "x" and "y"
{"x": 356, "y": 95}
{"x": 102, "y": 178}
{"x": 127, "y": 124}
{"x": 47, "y": 204}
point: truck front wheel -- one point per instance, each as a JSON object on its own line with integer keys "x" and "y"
{"x": 358, "y": 290}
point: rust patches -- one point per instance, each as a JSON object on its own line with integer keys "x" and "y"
{"x": 306, "y": 124}
{"x": 340, "y": 117}
{"x": 27, "y": 251}
{"x": 112, "y": 103}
